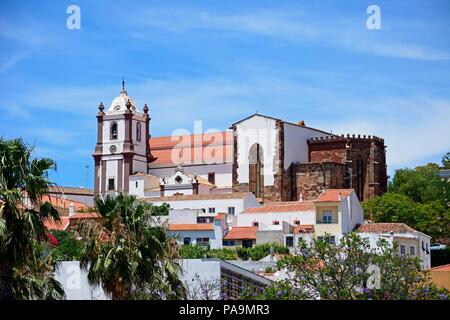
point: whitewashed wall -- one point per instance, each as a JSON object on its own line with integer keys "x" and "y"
{"x": 295, "y": 143}
{"x": 262, "y": 130}
{"x": 265, "y": 220}
{"x": 223, "y": 172}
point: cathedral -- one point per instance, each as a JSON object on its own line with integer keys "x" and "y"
{"x": 276, "y": 160}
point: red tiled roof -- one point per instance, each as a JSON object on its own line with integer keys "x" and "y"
{"x": 51, "y": 224}
{"x": 288, "y": 206}
{"x": 304, "y": 228}
{"x": 332, "y": 195}
{"x": 85, "y": 215}
{"x": 192, "y": 149}
{"x": 191, "y": 227}
{"x": 241, "y": 233}
{"x": 71, "y": 190}
{"x": 445, "y": 267}
{"x": 385, "y": 228}
{"x": 58, "y": 201}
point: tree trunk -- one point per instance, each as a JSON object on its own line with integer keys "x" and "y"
{"x": 6, "y": 274}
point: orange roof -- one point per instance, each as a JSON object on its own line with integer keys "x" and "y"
{"x": 58, "y": 201}
{"x": 445, "y": 267}
{"x": 85, "y": 215}
{"x": 385, "y": 228}
{"x": 220, "y": 216}
{"x": 241, "y": 233}
{"x": 332, "y": 195}
{"x": 51, "y": 224}
{"x": 304, "y": 228}
{"x": 288, "y": 206}
{"x": 192, "y": 149}
{"x": 191, "y": 227}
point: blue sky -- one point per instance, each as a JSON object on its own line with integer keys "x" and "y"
{"x": 220, "y": 61}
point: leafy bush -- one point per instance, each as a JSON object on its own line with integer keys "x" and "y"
{"x": 69, "y": 247}
{"x": 200, "y": 252}
{"x": 260, "y": 251}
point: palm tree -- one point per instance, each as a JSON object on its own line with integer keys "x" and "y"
{"x": 127, "y": 254}
{"x": 23, "y": 182}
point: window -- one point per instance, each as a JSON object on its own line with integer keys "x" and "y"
{"x": 137, "y": 184}
{"x": 276, "y": 223}
{"x": 289, "y": 241}
{"x": 202, "y": 241}
{"x": 402, "y": 249}
{"x": 412, "y": 250}
{"x": 228, "y": 242}
{"x": 138, "y": 131}
{"x": 423, "y": 246}
{"x": 187, "y": 240}
{"x": 327, "y": 217}
{"x": 211, "y": 210}
{"x": 212, "y": 178}
{"x": 255, "y": 224}
{"x": 296, "y": 222}
{"x": 201, "y": 220}
{"x": 231, "y": 210}
{"x": 328, "y": 239}
{"x": 111, "y": 184}
{"x": 113, "y": 131}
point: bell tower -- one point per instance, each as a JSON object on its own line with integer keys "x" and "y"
{"x": 122, "y": 144}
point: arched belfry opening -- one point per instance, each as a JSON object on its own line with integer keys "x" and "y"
{"x": 256, "y": 170}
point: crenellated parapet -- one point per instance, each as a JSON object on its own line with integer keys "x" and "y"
{"x": 344, "y": 139}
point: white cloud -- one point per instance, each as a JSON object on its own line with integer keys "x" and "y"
{"x": 287, "y": 24}
{"x": 414, "y": 128}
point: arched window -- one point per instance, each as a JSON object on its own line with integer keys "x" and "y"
{"x": 113, "y": 131}
{"x": 256, "y": 170}
{"x": 138, "y": 131}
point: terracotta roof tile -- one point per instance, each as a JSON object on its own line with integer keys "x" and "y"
{"x": 304, "y": 228}
{"x": 191, "y": 227}
{"x": 241, "y": 233}
{"x": 445, "y": 267}
{"x": 58, "y": 201}
{"x": 192, "y": 149}
{"x": 71, "y": 190}
{"x": 332, "y": 195}
{"x": 85, "y": 215}
{"x": 385, "y": 228}
{"x": 51, "y": 224}
{"x": 288, "y": 206}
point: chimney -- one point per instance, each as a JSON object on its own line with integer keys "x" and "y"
{"x": 71, "y": 209}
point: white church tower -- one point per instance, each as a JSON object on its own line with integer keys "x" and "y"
{"x": 122, "y": 144}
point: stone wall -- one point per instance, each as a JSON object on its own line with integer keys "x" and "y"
{"x": 310, "y": 179}
{"x": 364, "y": 159}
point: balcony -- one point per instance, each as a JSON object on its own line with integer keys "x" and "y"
{"x": 327, "y": 221}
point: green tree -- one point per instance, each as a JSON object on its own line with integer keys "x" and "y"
{"x": 68, "y": 248}
{"x": 35, "y": 280}
{"x": 23, "y": 182}
{"x": 446, "y": 161}
{"x": 422, "y": 184}
{"x": 345, "y": 271}
{"x": 128, "y": 255}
